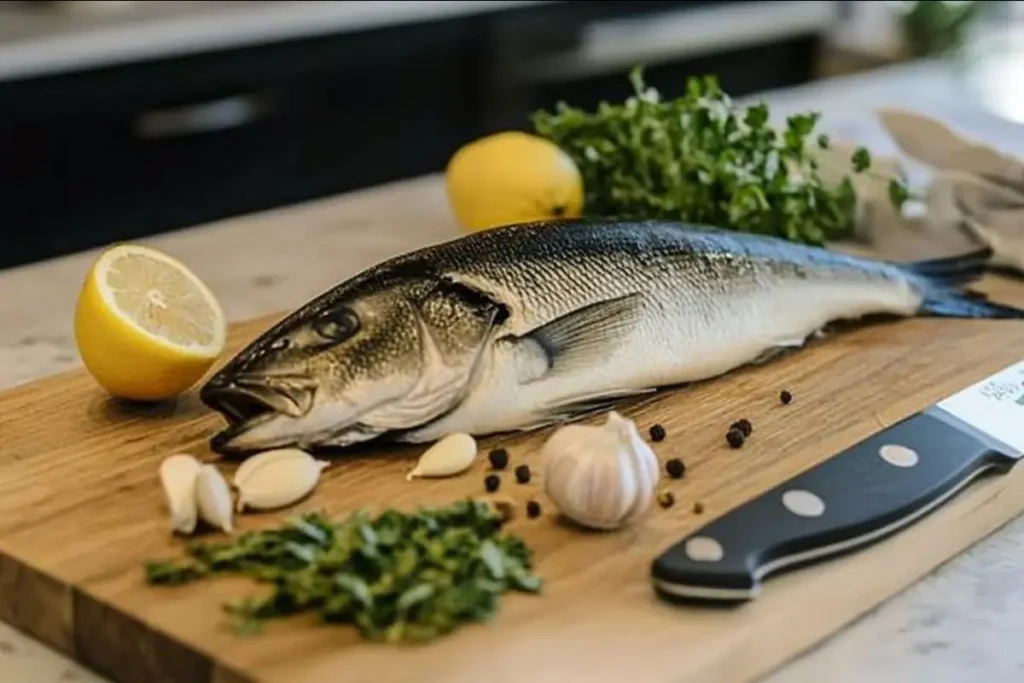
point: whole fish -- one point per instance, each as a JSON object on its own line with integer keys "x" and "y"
{"x": 534, "y": 324}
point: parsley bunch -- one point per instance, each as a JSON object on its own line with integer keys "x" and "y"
{"x": 701, "y": 159}
{"x": 396, "y": 576}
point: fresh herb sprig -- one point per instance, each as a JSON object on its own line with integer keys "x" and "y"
{"x": 396, "y": 577}
{"x": 699, "y": 158}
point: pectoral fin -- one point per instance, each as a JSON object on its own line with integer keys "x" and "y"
{"x": 580, "y": 407}
{"x": 580, "y": 339}
{"x": 778, "y": 351}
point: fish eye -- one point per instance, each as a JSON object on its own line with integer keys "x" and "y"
{"x": 336, "y": 325}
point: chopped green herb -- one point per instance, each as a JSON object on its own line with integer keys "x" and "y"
{"x": 702, "y": 159}
{"x": 396, "y": 576}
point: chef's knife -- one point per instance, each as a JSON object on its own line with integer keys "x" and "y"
{"x": 865, "y": 493}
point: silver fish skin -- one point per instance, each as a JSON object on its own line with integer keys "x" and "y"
{"x": 533, "y": 324}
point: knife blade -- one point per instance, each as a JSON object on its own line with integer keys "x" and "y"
{"x": 855, "y": 498}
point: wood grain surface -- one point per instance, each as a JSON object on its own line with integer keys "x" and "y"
{"x": 81, "y": 510}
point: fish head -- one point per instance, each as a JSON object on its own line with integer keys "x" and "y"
{"x": 372, "y": 357}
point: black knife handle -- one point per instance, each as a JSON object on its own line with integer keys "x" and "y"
{"x": 863, "y": 494}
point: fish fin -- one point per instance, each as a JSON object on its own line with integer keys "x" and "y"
{"x": 952, "y": 271}
{"x": 558, "y": 418}
{"x": 580, "y": 407}
{"x": 940, "y": 280}
{"x": 952, "y": 303}
{"x": 773, "y": 352}
{"x": 582, "y": 337}
{"x": 343, "y": 438}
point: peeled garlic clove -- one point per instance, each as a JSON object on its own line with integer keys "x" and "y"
{"x": 277, "y": 478}
{"x": 214, "y": 498}
{"x": 178, "y": 478}
{"x": 451, "y": 455}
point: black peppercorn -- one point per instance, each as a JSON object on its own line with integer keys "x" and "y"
{"x": 492, "y": 482}
{"x": 698, "y": 508}
{"x": 744, "y": 425}
{"x": 785, "y": 397}
{"x": 666, "y": 499}
{"x": 533, "y": 509}
{"x": 498, "y": 458}
{"x": 735, "y": 438}
{"x": 675, "y": 468}
{"x": 523, "y": 474}
{"x": 657, "y": 433}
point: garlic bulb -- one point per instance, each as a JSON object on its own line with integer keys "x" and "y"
{"x": 214, "y": 498}
{"x": 274, "y": 479}
{"x": 178, "y": 478}
{"x": 451, "y": 455}
{"x": 602, "y": 477}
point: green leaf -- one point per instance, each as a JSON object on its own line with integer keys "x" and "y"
{"x": 493, "y": 558}
{"x": 898, "y": 193}
{"x": 415, "y": 595}
{"x": 302, "y": 552}
{"x": 861, "y": 160}
{"x": 756, "y": 116}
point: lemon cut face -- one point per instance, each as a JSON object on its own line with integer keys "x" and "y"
{"x": 146, "y": 326}
{"x": 163, "y": 299}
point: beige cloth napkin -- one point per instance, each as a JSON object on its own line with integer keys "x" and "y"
{"x": 975, "y": 196}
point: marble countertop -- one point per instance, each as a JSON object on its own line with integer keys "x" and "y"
{"x": 956, "y": 625}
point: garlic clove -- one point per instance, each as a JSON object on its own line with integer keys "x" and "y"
{"x": 178, "y": 475}
{"x": 276, "y": 479}
{"x": 214, "y": 498}
{"x": 451, "y": 455}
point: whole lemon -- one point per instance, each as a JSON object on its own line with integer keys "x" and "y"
{"x": 512, "y": 177}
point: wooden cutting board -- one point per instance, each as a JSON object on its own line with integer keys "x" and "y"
{"x": 81, "y": 510}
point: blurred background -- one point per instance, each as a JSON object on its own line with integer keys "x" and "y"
{"x": 125, "y": 119}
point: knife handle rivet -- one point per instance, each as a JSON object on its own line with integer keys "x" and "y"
{"x": 704, "y": 549}
{"x": 803, "y": 503}
{"x": 898, "y": 456}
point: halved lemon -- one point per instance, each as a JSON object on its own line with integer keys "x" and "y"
{"x": 146, "y": 326}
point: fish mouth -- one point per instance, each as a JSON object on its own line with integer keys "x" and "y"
{"x": 247, "y": 401}
{"x": 264, "y": 411}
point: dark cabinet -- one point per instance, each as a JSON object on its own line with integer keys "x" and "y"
{"x": 122, "y": 152}
{"x": 136, "y": 150}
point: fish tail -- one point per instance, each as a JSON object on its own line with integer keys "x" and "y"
{"x": 952, "y": 303}
{"x": 941, "y": 282}
{"x": 953, "y": 271}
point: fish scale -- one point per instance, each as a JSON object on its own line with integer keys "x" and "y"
{"x": 530, "y": 324}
